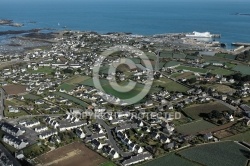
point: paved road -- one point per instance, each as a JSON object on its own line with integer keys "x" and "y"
{"x": 111, "y": 139}
{"x": 2, "y": 98}
{"x": 10, "y": 157}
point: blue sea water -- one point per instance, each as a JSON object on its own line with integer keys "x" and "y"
{"x": 144, "y": 17}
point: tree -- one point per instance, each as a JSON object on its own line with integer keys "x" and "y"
{"x": 192, "y": 80}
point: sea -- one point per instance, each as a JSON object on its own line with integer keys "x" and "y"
{"x": 142, "y": 17}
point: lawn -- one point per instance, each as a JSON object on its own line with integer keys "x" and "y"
{"x": 35, "y": 150}
{"x": 194, "y": 127}
{"x": 14, "y": 115}
{"x": 193, "y": 69}
{"x": 45, "y": 70}
{"x": 72, "y": 98}
{"x": 171, "y": 160}
{"x": 195, "y": 110}
{"x": 222, "y": 71}
{"x": 221, "y": 154}
{"x": 170, "y": 85}
{"x": 243, "y": 69}
{"x": 240, "y": 137}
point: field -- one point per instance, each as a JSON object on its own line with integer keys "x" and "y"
{"x": 67, "y": 87}
{"x": 72, "y": 98}
{"x": 193, "y": 69}
{"x": 195, "y": 110}
{"x": 222, "y": 134}
{"x": 76, "y": 154}
{"x": 170, "y": 85}
{"x": 240, "y": 137}
{"x": 243, "y": 69}
{"x": 77, "y": 79}
{"x": 170, "y": 159}
{"x": 31, "y": 96}
{"x": 222, "y": 71}
{"x": 45, "y": 70}
{"x": 221, "y": 88}
{"x": 109, "y": 89}
{"x": 222, "y": 154}
{"x": 186, "y": 75}
{"x": 195, "y": 127}
{"x": 14, "y": 89}
{"x": 247, "y": 100}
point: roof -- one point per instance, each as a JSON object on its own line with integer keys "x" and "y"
{"x": 136, "y": 158}
{"x": 10, "y": 127}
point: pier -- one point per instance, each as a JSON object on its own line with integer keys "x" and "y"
{"x": 241, "y": 44}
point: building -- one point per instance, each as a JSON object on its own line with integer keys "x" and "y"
{"x": 136, "y": 159}
{"x": 8, "y": 128}
{"x": 14, "y": 141}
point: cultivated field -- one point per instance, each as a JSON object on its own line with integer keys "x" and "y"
{"x": 14, "y": 89}
{"x": 222, "y": 71}
{"x": 221, "y": 154}
{"x": 77, "y": 79}
{"x": 170, "y": 159}
{"x": 193, "y": 69}
{"x": 221, "y": 88}
{"x": 76, "y": 154}
{"x": 194, "y": 127}
{"x": 243, "y": 69}
{"x": 195, "y": 110}
{"x": 186, "y": 75}
{"x": 240, "y": 137}
{"x": 170, "y": 85}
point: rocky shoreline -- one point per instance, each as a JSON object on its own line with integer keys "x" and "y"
{"x": 5, "y": 22}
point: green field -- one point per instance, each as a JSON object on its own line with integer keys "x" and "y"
{"x": 67, "y": 87}
{"x": 195, "y": 110}
{"x": 31, "y": 96}
{"x": 240, "y": 137}
{"x": 221, "y": 154}
{"x": 227, "y": 56}
{"x": 72, "y": 98}
{"x": 45, "y": 70}
{"x": 110, "y": 90}
{"x": 108, "y": 163}
{"x": 193, "y": 69}
{"x": 222, "y": 71}
{"x": 77, "y": 79}
{"x": 195, "y": 127}
{"x": 171, "y": 160}
{"x": 170, "y": 85}
{"x": 243, "y": 69}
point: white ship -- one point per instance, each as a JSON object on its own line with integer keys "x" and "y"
{"x": 199, "y": 35}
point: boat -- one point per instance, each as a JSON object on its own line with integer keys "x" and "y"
{"x": 199, "y": 35}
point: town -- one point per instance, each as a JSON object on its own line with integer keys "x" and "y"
{"x": 199, "y": 98}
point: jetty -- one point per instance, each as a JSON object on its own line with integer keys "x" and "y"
{"x": 241, "y": 44}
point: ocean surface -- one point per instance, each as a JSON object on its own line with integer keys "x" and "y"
{"x": 145, "y": 17}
